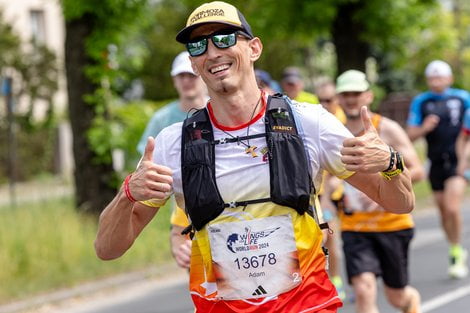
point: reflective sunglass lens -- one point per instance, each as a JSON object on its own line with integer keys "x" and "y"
{"x": 221, "y": 41}
{"x": 197, "y": 48}
{"x": 224, "y": 41}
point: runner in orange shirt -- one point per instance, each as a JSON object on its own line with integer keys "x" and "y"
{"x": 376, "y": 242}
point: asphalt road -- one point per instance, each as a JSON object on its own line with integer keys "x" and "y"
{"x": 428, "y": 274}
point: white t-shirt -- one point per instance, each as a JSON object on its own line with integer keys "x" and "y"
{"x": 264, "y": 254}
{"x": 243, "y": 177}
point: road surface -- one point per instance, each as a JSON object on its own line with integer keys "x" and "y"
{"x": 428, "y": 274}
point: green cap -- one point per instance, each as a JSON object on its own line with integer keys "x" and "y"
{"x": 352, "y": 80}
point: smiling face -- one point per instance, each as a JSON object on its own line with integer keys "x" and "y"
{"x": 225, "y": 70}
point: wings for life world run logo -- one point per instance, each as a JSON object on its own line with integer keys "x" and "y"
{"x": 249, "y": 240}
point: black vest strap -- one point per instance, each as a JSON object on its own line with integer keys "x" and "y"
{"x": 291, "y": 183}
{"x": 245, "y": 203}
{"x": 289, "y": 177}
{"x": 236, "y": 139}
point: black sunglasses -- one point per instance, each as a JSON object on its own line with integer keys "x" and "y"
{"x": 221, "y": 39}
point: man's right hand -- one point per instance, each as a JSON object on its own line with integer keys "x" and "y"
{"x": 150, "y": 180}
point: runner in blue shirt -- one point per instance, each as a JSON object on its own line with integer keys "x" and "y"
{"x": 437, "y": 116}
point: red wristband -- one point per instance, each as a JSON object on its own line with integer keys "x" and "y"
{"x": 127, "y": 190}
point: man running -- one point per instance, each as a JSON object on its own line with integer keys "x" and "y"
{"x": 376, "y": 242}
{"x": 437, "y": 116}
{"x": 246, "y": 183}
{"x": 292, "y": 83}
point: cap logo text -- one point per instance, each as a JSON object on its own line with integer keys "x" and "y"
{"x": 207, "y": 13}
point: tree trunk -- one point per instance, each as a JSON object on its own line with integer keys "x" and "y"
{"x": 351, "y": 50}
{"x": 93, "y": 179}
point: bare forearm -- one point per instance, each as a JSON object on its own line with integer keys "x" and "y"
{"x": 120, "y": 223}
{"x": 395, "y": 195}
{"x": 126, "y": 215}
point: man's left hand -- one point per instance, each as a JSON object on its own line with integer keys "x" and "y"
{"x": 366, "y": 153}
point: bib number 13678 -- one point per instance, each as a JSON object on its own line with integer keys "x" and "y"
{"x": 256, "y": 261}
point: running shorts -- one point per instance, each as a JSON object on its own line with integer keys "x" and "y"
{"x": 383, "y": 253}
{"x": 441, "y": 170}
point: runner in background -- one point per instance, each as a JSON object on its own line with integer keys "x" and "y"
{"x": 376, "y": 242}
{"x": 437, "y": 116}
{"x": 326, "y": 93}
{"x": 266, "y": 83}
{"x": 292, "y": 83}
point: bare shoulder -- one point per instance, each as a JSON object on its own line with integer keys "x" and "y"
{"x": 388, "y": 124}
{"x": 391, "y": 132}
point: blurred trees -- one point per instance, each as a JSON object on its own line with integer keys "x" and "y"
{"x": 34, "y": 73}
{"x": 461, "y": 60}
{"x": 95, "y": 31}
{"x": 9, "y": 45}
{"x": 34, "y": 69}
{"x": 301, "y": 33}
{"x": 112, "y": 45}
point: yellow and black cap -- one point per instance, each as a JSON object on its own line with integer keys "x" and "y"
{"x": 215, "y": 12}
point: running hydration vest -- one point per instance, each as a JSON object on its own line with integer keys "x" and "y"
{"x": 290, "y": 180}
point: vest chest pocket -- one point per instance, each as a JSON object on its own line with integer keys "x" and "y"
{"x": 289, "y": 184}
{"x": 199, "y": 186}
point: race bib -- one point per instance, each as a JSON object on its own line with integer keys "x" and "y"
{"x": 254, "y": 259}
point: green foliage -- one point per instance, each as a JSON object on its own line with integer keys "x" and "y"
{"x": 462, "y": 60}
{"x": 108, "y": 44}
{"x": 35, "y": 72}
{"x": 440, "y": 42}
{"x": 39, "y": 74}
{"x": 124, "y": 129}
{"x": 295, "y": 33}
{"x": 52, "y": 247}
{"x": 169, "y": 16}
{"x": 9, "y": 45}
{"x": 130, "y": 122}
{"x": 34, "y": 151}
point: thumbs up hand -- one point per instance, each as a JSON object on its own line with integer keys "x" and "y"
{"x": 150, "y": 180}
{"x": 366, "y": 153}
